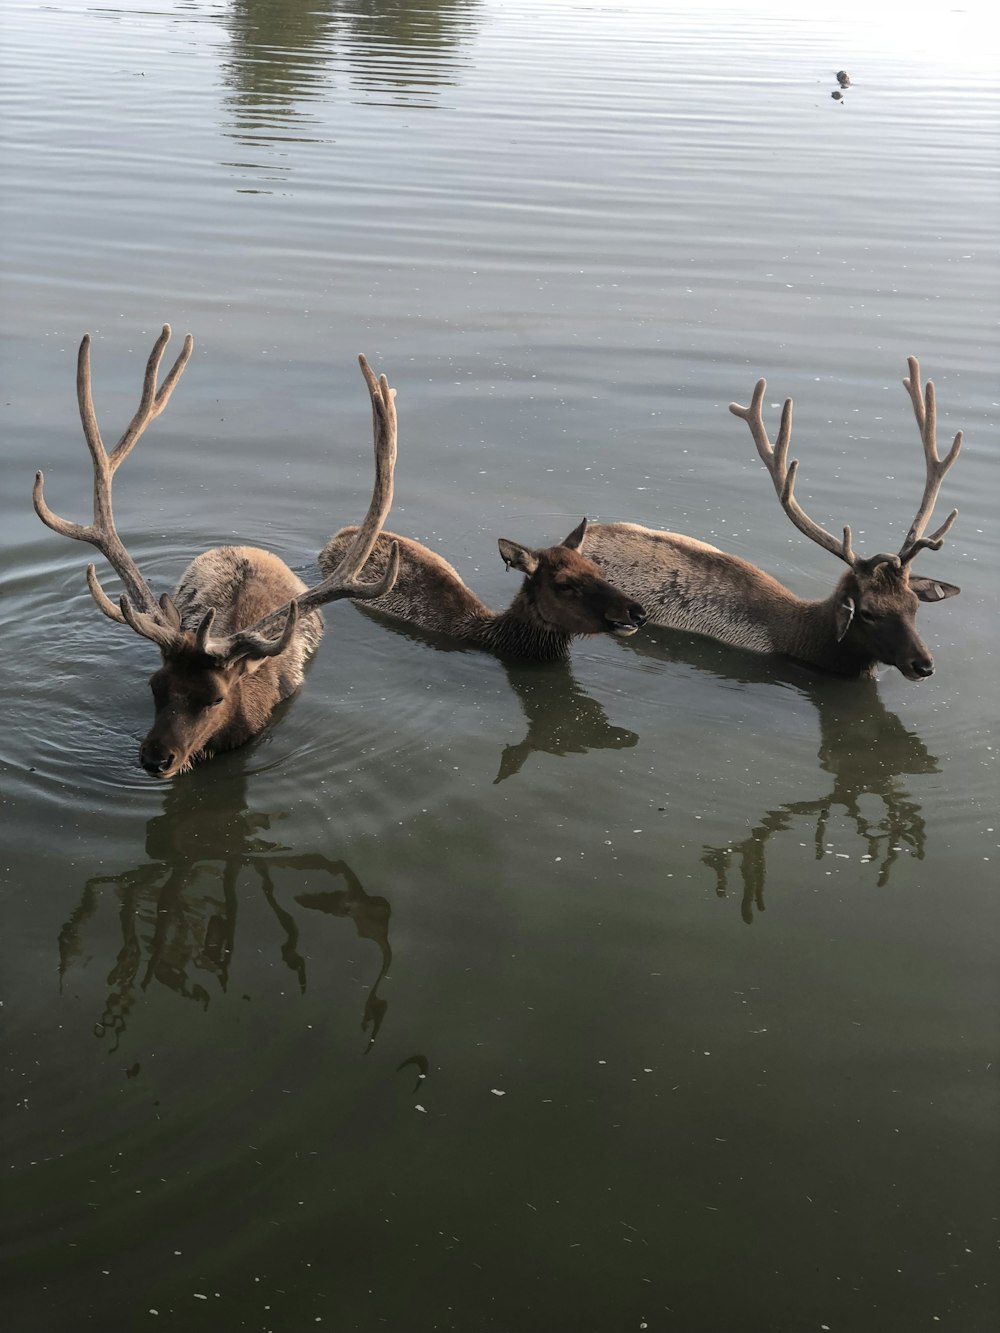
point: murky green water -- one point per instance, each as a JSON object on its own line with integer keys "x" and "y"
{"x": 657, "y": 990}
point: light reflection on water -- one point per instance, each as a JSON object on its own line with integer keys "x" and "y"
{"x": 473, "y": 995}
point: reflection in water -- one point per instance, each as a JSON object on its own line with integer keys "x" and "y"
{"x": 395, "y": 47}
{"x": 287, "y": 52}
{"x": 174, "y": 921}
{"x": 863, "y": 747}
{"x": 561, "y": 718}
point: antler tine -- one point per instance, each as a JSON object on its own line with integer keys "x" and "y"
{"x": 101, "y": 532}
{"x": 925, "y": 412}
{"x": 343, "y": 581}
{"x": 247, "y": 643}
{"x": 146, "y": 623}
{"x": 783, "y": 473}
{"x": 153, "y": 400}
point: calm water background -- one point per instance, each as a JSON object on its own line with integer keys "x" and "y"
{"x": 453, "y": 1002}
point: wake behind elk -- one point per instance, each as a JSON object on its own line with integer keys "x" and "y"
{"x": 868, "y": 618}
{"x": 236, "y": 633}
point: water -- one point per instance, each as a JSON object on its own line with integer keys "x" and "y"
{"x": 656, "y": 990}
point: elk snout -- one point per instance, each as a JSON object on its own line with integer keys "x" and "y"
{"x": 921, "y": 668}
{"x": 155, "y": 761}
{"x": 636, "y": 618}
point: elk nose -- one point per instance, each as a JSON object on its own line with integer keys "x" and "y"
{"x": 156, "y": 765}
{"x": 923, "y": 668}
{"x": 637, "y": 614}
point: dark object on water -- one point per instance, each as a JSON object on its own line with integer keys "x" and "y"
{"x": 843, "y": 78}
{"x": 837, "y": 96}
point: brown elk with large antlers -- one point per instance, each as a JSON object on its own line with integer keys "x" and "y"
{"x": 235, "y": 635}
{"x": 563, "y": 595}
{"x": 869, "y": 617}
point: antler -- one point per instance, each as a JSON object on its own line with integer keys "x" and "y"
{"x": 783, "y": 473}
{"x": 343, "y": 581}
{"x": 156, "y": 621}
{"x": 925, "y": 411}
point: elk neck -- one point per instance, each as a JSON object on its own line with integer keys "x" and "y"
{"x": 430, "y": 594}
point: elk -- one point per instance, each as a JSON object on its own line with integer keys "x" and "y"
{"x": 869, "y": 617}
{"x": 235, "y": 635}
{"x": 563, "y": 595}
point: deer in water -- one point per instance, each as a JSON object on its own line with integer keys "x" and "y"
{"x": 563, "y": 595}
{"x": 869, "y": 617}
{"x": 236, "y": 633}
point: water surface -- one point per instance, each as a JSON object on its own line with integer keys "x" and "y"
{"x": 654, "y": 990}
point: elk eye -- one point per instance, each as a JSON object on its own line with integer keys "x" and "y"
{"x": 215, "y": 702}
{"x": 868, "y": 617}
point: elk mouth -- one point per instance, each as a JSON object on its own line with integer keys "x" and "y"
{"x": 622, "y": 629}
{"x": 164, "y": 766}
{"x": 917, "y": 673}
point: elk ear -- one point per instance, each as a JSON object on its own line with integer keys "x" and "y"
{"x": 518, "y": 557}
{"x": 845, "y": 614}
{"x": 575, "y": 539}
{"x": 932, "y": 590}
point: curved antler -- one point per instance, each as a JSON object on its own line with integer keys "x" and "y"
{"x": 783, "y": 473}
{"x": 254, "y": 641}
{"x": 147, "y": 616}
{"x": 925, "y": 411}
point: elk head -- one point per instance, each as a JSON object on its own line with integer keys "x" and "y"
{"x": 567, "y": 591}
{"x": 876, "y": 609}
{"x": 203, "y": 692}
{"x": 875, "y": 603}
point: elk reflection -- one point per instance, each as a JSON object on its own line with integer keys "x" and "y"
{"x": 177, "y": 912}
{"x": 561, "y": 718}
{"x": 863, "y": 747}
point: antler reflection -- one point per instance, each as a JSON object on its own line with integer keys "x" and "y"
{"x": 863, "y": 747}
{"x": 175, "y": 925}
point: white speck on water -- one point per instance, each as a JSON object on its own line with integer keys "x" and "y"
{"x": 418, "y": 1107}
{"x": 498, "y": 1092}
{"x": 199, "y": 1296}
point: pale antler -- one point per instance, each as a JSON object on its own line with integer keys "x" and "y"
{"x": 153, "y": 620}
{"x": 343, "y": 582}
{"x": 783, "y": 473}
{"x": 925, "y": 411}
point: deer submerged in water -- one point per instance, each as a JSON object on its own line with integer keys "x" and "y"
{"x": 235, "y": 635}
{"x": 563, "y": 595}
{"x": 869, "y": 617}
